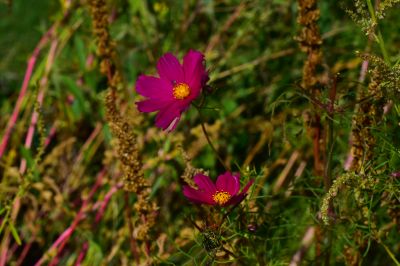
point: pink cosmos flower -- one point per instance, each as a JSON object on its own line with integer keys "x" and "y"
{"x": 177, "y": 86}
{"x": 225, "y": 191}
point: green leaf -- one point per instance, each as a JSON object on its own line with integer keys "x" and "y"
{"x": 27, "y": 155}
{"x": 229, "y": 106}
{"x": 94, "y": 254}
{"x": 5, "y": 219}
{"x": 80, "y": 105}
{"x": 160, "y": 182}
{"x": 14, "y": 233}
{"x": 80, "y": 50}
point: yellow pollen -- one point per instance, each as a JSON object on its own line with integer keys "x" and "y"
{"x": 221, "y": 197}
{"x": 181, "y": 91}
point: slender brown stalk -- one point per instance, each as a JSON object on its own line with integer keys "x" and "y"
{"x": 363, "y": 73}
{"x": 253, "y": 63}
{"x": 310, "y": 42}
{"x": 128, "y": 215}
{"x": 127, "y": 150}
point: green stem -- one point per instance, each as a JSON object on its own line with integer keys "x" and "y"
{"x": 397, "y": 62}
{"x": 383, "y": 49}
{"x": 379, "y": 38}
{"x": 203, "y": 127}
{"x": 391, "y": 255}
{"x": 371, "y": 10}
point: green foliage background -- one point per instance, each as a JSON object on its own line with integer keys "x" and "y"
{"x": 256, "y": 116}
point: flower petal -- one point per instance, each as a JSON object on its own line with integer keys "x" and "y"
{"x": 153, "y": 87}
{"x": 173, "y": 124}
{"x": 229, "y": 183}
{"x": 167, "y": 115}
{"x": 239, "y": 197}
{"x": 195, "y": 73}
{"x": 248, "y": 185}
{"x": 197, "y": 196}
{"x": 205, "y": 183}
{"x": 236, "y": 199}
{"x": 152, "y": 105}
{"x": 170, "y": 69}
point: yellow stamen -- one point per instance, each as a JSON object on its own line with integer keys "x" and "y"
{"x": 221, "y": 197}
{"x": 181, "y": 91}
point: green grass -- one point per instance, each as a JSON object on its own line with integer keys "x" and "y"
{"x": 258, "y": 116}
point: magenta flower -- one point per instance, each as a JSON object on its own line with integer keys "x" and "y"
{"x": 225, "y": 191}
{"x": 177, "y": 86}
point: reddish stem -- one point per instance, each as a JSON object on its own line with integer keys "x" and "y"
{"x": 316, "y": 146}
{"x": 14, "y": 117}
{"x": 82, "y": 254}
{"x": 24, "y": 253}
{"x": 88, "y": 142}
{"x": 40, "y": 97}
{"x": 62, "y": 240}
{"x": 103, "y": 204}
{"x": 34, "y": 119}
{"x": 28, "y": 74}
{"x": 50, "y": 136}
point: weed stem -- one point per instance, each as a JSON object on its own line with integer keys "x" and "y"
{"x": 203, "y": 127}
{"x": 379, "y": 38}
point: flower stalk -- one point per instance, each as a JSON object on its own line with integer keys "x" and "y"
{"x": 127, "y": 150}
{"x": 203, "y": 127}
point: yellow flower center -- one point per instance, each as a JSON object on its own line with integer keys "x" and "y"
{"x": 221, "y": 197}
{"x": 181, "y": 91}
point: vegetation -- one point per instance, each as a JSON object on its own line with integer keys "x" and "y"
{"x": 302, "y": 99}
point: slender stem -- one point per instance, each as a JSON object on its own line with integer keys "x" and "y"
{"x": 397, "y": 62}
{"x": 306, "y": 242}
{"x": 195, "y": 225}
{"x": 203, "y": 127}
{"x": 229, "y": 252}
{"x": 28, "y": 74}
{"x": 82, "y": 254}
{"x": 39, "y": 100}
{"x": 383, "y": 48}
{"x": 228, "y": 212}
{"x": 328, "y": 249}
{"x": 371, "y": 10}
{"x": 57, "y": 247}
{"x": 328, "y": 168}
{"x": 379, "y": 37}
{"x": 391, "y": 255}
{"x": 328, "y": 180}
{"x": 132, "y": 240}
